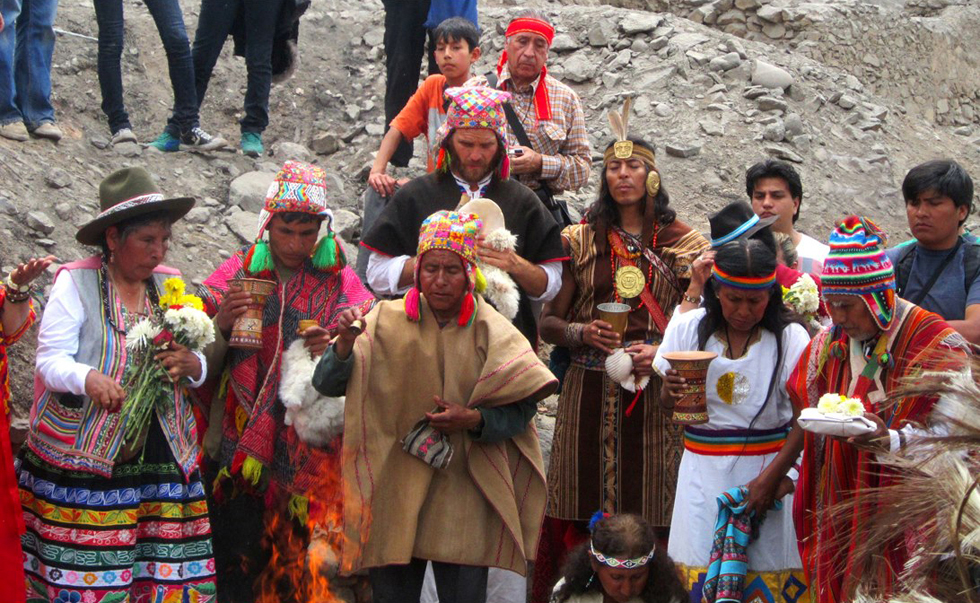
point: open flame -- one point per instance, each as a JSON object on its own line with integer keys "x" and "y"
{"x": 306, "y": 549}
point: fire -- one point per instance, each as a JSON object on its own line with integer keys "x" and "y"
{"x": 306, "y": 549}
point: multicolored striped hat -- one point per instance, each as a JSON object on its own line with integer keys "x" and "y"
{"x": 474, "y": 107}
{"x": 298, "y": 187}
{"x": 454, "y": 232}
{"x": 857, "y": 265}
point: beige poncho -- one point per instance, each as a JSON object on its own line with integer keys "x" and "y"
{"x": 486, "y": 508}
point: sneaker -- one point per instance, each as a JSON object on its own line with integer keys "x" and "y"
{"x": 123, "y": 135}
{"x": 48, "y": 130}
{"x": 15, "y": 130}
{"x": 199, "y": 140}
{"x": 166, "y": 143}
{"x": 252, "y": 144}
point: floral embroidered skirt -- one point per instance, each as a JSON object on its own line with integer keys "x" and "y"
{"x": 140, "y": 536}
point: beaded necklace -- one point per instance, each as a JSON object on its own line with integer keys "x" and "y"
{"x": 628, "y": 254}
{"x": 151, "y": 293}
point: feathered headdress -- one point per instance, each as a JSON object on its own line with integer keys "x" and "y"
{"x": 624, "y": 148}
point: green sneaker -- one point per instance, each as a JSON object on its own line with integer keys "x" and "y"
{"x": 166, "y": 143}
{"x": 252, "y": 144}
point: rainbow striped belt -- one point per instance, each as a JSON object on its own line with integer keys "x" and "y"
{"x": 735, "y": 442}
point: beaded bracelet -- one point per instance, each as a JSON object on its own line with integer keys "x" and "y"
{"x": 574, "y": 334}
{"x": 15, "y": 297}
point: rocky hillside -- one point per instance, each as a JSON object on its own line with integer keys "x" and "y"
{"x": 854, "y": 94}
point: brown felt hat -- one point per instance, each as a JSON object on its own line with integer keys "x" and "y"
{"x": 127, "y": 193}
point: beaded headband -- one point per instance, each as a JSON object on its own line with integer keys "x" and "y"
{"x": 743, "y": 282}
{"x": 622, "y": 563}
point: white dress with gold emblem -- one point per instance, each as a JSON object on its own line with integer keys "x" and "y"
{"x": 731, "y": 450}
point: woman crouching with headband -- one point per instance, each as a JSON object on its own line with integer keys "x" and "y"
{"x": 734, "y": 468}
{"x": 621, "y": 563}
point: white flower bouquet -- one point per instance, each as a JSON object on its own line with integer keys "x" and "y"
{"x": 146, "y": 382}
{"x": 804, "y": 298}
{"x": 836, "y": 415}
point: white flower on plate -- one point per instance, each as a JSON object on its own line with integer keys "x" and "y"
{"x": 141, "y": 334}
{"x": 852, "y": 407}
{"x": 829, "y": 404}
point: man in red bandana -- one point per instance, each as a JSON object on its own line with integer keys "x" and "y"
{"x": 558, "y": 157}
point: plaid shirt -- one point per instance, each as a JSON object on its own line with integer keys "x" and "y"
{"x": 562, "y": 141}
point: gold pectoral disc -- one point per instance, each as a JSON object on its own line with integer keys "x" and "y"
{"x": 630, "y": 281}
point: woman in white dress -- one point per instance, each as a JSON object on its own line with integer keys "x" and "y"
{"x": 621, "y": 563}
{"x": 744, "y": 322}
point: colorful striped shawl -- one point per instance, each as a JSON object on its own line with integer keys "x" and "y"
{"x": 834, "y": 472}
{"x": 253, "y": 421}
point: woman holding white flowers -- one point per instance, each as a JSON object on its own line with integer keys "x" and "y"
{"x": 111, "y": 518}
{"x": 736, "y": 464}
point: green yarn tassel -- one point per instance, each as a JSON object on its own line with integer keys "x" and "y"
{"x": 252, "y": 471}
{"x": 327, "y": 256}
{"x": 481, "y": 281}
{"x": 260, "y": 258}
{"x": 299, "y": 508}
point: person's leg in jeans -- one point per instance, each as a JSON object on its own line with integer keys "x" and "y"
{"x": 32, "y": 72}
{"x": 460, "y": 583}
{"x": 9, "y": 113}
{"x": 213, "y": 27}
{"x": 109, "y": 16}
{"x": 397, "y": 583}
{"x": 260, "y": 30}
{"x": 404, "y": 47}
{"x": 170, "y": 23}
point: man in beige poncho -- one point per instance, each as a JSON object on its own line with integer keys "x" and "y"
{"x": 439, "y": 462}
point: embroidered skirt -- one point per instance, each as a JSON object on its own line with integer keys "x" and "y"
{"x": 142, "y": 535}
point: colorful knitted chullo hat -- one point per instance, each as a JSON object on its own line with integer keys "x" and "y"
{"x": 457, "y": 233}
{"x": 298, "y": 187}
{"x": 857, "y": 265}
{"x": 474, "y": 107}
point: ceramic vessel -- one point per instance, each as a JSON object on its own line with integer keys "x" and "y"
{"x": 246, "y": 333}
{"x": 692, "y": 408}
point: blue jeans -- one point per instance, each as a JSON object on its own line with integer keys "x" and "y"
{"x": 214, "y": 27}
{"x": 170, "y": 24}
{"x": 26, "y": 47}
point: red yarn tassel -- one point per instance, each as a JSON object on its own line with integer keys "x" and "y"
{"x": 412, "y": 305}
{"x": 467, "y": 311}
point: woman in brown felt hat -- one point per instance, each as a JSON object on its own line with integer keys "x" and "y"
{"x": 108, "y": 520}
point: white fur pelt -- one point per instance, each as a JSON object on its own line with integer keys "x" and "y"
{"x": 501, "y": 288}
{"x": 317, "y": 419}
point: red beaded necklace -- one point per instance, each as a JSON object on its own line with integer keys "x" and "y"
{"x": 618, "y": 248}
